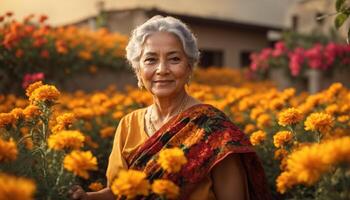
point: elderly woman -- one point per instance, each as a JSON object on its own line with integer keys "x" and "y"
{"x": 221, "y": 162}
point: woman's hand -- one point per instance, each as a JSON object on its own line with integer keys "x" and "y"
{"x": 77, "y": 193}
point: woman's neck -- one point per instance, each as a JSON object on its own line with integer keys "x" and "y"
{"x": 165, "y": 108}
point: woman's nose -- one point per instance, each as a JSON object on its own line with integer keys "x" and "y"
{"x": 162, "y": 68}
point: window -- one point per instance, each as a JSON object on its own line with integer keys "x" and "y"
{"x": 211, "y": 58}
{"x": 244, "y": 58}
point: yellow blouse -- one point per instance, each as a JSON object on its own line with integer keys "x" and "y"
{"x": 129, "y": 135}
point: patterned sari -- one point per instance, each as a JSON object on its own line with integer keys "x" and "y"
{"x": 207, "y": 136}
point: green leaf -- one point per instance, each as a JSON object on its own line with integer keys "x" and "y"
{"x": 340, "y": 19}
{"x": 339, "y": 4}
{"x": 348, "y": 39}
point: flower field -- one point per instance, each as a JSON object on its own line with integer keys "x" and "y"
{"x": 51, "y": 139}
{"x": 56, "y": 139}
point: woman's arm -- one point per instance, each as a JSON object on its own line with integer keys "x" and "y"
{"x": 78, "y": 193}
{"x": 229, "y": 179}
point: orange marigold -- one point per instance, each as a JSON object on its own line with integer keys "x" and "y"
{"x": 282, "y": 137}
{"x": 319, "y": 122}
{"x": 8, "y": 150}
{"x": 257, "y": 137}
{"x": 289, "y": 116}
{"x": 171, "y": 160}
{"x": 45, "y": 93}
{"x": 80, "y": 162}
{"x": 165, "y": 188}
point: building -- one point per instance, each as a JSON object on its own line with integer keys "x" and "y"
{"x": 222, "y": 42}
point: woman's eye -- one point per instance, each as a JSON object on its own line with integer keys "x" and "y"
{"x": 150, "y": 60}
{"x": 175, "y": 59}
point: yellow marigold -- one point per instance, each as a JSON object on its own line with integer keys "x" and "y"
{"x": 17, "y": 113}
{"x": 264, "y": 120}
{"x": 249, "y": 128}
{"x": 331, "y": 109}
{"x": 117, "y": 115}
{"x": 31, "y": 111}
{"x": 83, "y": 113}
{"x": 130, "y": 184}
{"x": 171, "y": 160}
{"x": 45, "y": 93}
{"x": 66, "y": 119}
{"x": 289, "y": 116}
{"x": 16, "y": 188}
{"x": 66, "y": 139}
{"x": 95, "y": 186}
{"x": 57, "y": 128}
{"x": 8, "y": 150}
{"x": 288, "y": 93}
{"x": 79, "y": 162}
{"x": 107, "y": 132}
{"x": 284, "y": 182}
{"x": 282, "y": 137}
{"x": 257, "y": 137}
{"x": 280, "y": 154}
{"x": 343, "y": 118}
{"x": 319, "y": 122}
{"x": 6, "y": 119}
{"x": 255, "y": 112}
{"x": 32, "y": 87}
{"x": 307, "y": 164}
{"x": 276, "y": 104}
{"x": 165, "y": 188}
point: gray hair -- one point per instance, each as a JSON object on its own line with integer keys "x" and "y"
{"x": 167, "y": 24}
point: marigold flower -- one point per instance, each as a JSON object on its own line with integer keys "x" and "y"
{"x": 255, "y": 112}
{"x": 6, "y": 119}
{"x": 263, "y": 121}
{"x": 282, "y": 137}
{"x": 171, "y": 160}
{"x": 107, "y": 132}
{"x": 66, "y": 140}
{"x": 165, "y": 188}
{"x": 307, "y": 164}
{"x": 276, "y": 104}
{"x": 343, "y": 118}
{"x": 45, "y": 93}
{"x": 319, "y": 122}
{"x": 66, "y": 119}
{"x": 16, "y": 188}
{"x": 8, "y": 150}
{"x": 95, "y": 186}
{"x": 130, "y": 184}
{"x": 280, "y": 154}
{"x": 249, "y": 128}
{"x": 289, "y": 116}
{"x": 33, "y": 87}
{"x": 31, "y": 111}
{"x": 284, "y": 182}
{"x": 257, "y": 137}
{"x": 83, "y": 113}
{"x": 17, "y": 113}
{"x": 79, "y": 162}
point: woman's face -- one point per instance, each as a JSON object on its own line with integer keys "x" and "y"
{"x": 164, "y": 67}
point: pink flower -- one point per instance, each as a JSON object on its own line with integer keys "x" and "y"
{"x": 296, "y": 60}
{"x": 280, "y": 49}
{"x": 315, "y": 57}
{"x": 31, "y": 78}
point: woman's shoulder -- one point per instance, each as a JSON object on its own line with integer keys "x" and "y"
{"x": 134, "y": 115}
